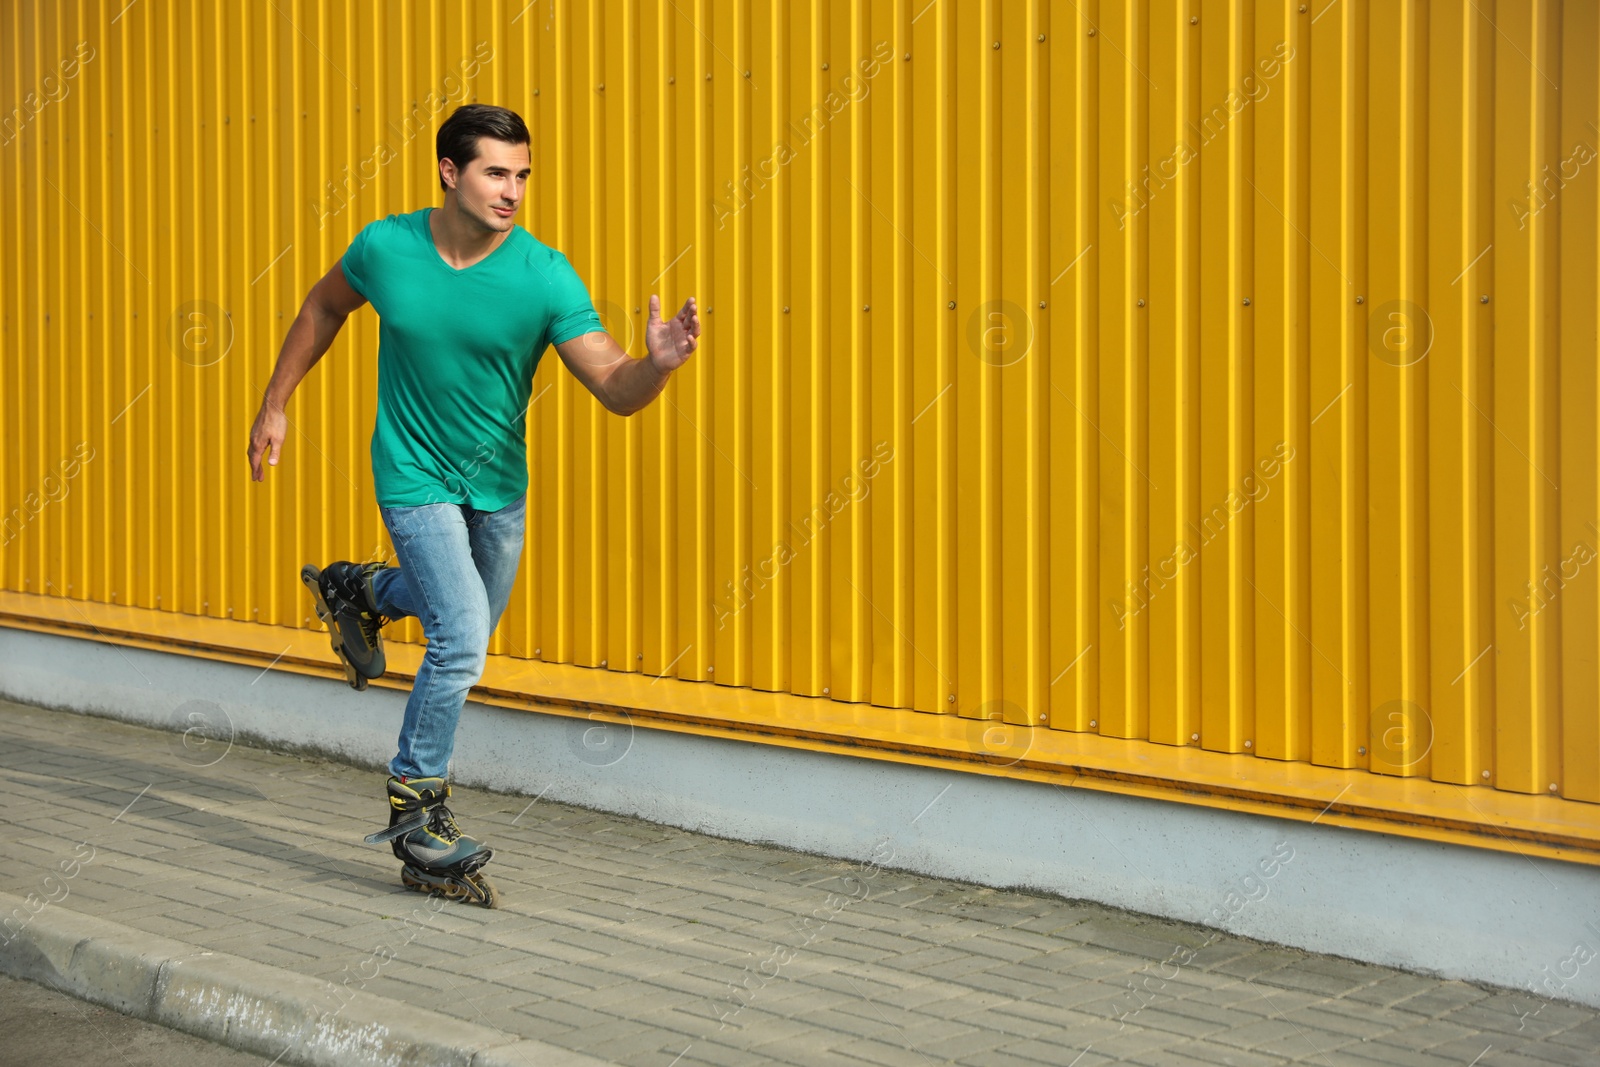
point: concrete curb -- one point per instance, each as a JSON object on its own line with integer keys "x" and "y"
{"x": 245, "y": 1005}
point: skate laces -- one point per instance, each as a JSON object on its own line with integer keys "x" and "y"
{"x": 371, "y": 623}
{"x": 443, "y": 825}
{"x": 371, "y": 619}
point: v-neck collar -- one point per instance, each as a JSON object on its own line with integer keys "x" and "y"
{"x": 427, "y": 237}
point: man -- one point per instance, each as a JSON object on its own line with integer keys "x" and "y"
{"x": 468, "y": 302}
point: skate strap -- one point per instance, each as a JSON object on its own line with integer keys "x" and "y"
{"x": 399, "y": 829}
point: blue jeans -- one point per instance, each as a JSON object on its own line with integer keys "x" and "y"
{"x": 456, "y": 566}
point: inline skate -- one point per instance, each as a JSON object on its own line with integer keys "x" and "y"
{"x": 345, "y": 602}
{"x": 439, "y": 859}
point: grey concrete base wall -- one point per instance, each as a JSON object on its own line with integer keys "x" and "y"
{"x": 1458, "y": 912}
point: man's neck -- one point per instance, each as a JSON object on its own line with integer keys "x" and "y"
{"x": 459, "y": 239}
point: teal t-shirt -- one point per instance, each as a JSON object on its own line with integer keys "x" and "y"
{"x": 456, "y": 354}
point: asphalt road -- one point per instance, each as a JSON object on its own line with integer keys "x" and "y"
{"x": 44, "y": 1028}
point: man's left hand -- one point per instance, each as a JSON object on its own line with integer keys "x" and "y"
{"x": 668, "y": 344}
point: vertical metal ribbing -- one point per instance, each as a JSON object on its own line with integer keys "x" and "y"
{"x": 1578, "y": 774}
{"x": 1414, "y": 553}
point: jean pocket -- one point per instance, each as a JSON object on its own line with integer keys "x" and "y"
{"x": 405, "y": 520}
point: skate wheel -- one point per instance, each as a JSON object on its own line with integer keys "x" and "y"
{"x": 309, "y": 574}
{"x": 488, "y": 895}
{"x": 413, "y": 879}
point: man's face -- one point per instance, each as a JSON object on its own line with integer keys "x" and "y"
{"x": 490, "y": 189}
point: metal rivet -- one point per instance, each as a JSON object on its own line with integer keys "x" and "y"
{"x": 866, "y": 307}
{"x": 538, "y": 651}
{"x": 636, "y": 309}
{"x": 824, "y": 690}
{"x": 1091, "y": 33}
{"x": 601, "y": 87}
{"x": 710, "y": 670}
{"x": 1362, "y": 751}
{"x": 1485, "y": 775}
{"x": 1247, "y": 744}
{"x": 1247, "y": 301}
{"x": 1041, "y": 304}
{"x": 1552, "y": 784}
{"x": 639, "y": 656}
{"x": 708, "y": 75}
{"x": 603, "y": 664}
{"x": 536, "y": 92}
{"x": 952, "y": 305}
{"x": 1093, "y": 724}
{"x": 824, "y": 66}
{"x": 997, "y": 45}
{"x": 1302, "y": 9}
{"x": 951, "y": 698}
{"x": 1041, "y": 38}
{"x": 1041, "y": 717}
{"x": 786, "y": 309}
{"x": 203, "y": 603}
{"x": 672, "y": 81}
{"x": 1141, "y": 301}
{"x": 1361, "y": 300}
{"x": 1483, "y": 299}
{"x": 908, "y": 57}
{"x": 747, "y": 74}
{"x": 1194, "y": 737}
{"x": 1194, "y": 20}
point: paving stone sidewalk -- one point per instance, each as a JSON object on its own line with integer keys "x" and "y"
{"x": 648, "y": 946}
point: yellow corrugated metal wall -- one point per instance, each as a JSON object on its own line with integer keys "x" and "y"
{"x": 1218, "y": 373}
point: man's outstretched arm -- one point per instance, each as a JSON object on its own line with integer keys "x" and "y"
{"x": 620, "y": 382}
{"x": 326, "y": 307}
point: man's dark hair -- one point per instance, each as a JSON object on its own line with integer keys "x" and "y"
{"x": 458, "y": 137}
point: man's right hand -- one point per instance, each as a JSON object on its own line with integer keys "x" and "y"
{"x": 326, "y": 307}
{"x": 267, "y": 434}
